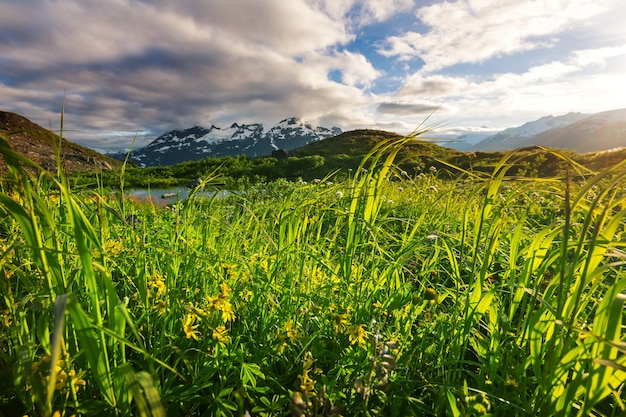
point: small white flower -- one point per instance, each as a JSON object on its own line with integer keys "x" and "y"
{"x": 339, "y": 194}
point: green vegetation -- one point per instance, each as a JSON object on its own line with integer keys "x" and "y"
{"x": 383, "y": 292}
{"x": 341, "y": 156}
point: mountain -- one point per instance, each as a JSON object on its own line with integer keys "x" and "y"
{"x": 598, "y": 132}
{"x": 575, "y": 131}
{"x": 39, "y": 144}
{"x": 522, "y": 136}
{"x": 246, "y": 139}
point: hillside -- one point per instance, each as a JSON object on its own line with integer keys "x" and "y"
{"x": 38, "y": 144}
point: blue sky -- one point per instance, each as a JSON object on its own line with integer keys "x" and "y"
{"x": 131, "y": 68}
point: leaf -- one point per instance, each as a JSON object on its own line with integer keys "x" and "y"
{"x": 249, "y": 372}
{"x": 94, "y": 349}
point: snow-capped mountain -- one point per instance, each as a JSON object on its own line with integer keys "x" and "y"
{"x": 598, "y": 132}
{"x": 516, "y": 137}
{"x": 246, "y": 139}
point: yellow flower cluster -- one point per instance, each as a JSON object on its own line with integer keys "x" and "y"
{"x": 113, "y": 247}
{"x": 42, "y": 368}
{"x": 341, "y": 324}
{"x": 156, "y": 285}
{"x": 307, "y": 383}
{"x": 290, "y": 333}
{"x": 220, "y": 333}
{"x": 219, "y": 304}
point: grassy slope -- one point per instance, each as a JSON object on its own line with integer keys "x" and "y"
{"x": 416, "y": 297}
{"x": 39, "y": 144}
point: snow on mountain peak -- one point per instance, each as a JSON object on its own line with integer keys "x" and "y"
{"x": 541, "y": 125}
{"x": 237, "y": 139}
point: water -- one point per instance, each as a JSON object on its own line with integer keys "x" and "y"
{"x": 164, "y": 196}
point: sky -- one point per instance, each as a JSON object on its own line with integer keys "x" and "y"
{"x": 124, "y": 70}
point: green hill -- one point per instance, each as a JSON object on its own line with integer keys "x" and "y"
{"x": 38, "y": 144}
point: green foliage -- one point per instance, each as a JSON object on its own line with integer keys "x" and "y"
{"x": 378, "y": 291}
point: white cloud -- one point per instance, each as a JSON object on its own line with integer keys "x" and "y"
{"x": 507, "y": 99}
{"x": 127, "y": 66}
{"x": 476, "y": 30}
{"x": 362, "y": 12}
{"x": 598, "y": 56}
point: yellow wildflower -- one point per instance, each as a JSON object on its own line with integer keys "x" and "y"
{"x": 157, "y": 282}
{"x": 196, "y": 311}
{"x": 77, "y": 380}
{"x": 226, "y": 291}
{"x": 357, "y": 334}
{"x": 245, "y": 294}
{"x": 227, "y": 311}
{"x": 61, "y": 381}
{"x": 212, "y": 301}
{"x": 189, "y": 327}
{"x": 220, "y": 333}
{"x": 339, "y": 322}
{"x": 160, "y": 307}
{"x": 291, "y": 333}
{"x": 431, "y": 295}
{"x": 307, "y": 384}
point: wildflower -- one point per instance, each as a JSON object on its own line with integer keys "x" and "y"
{"x": 195, "y": 311}
{"x": 357, "y": 334}
{"x": 339, "y": 194}
{"x": 405, "y": 311}
{"x": 291, "y": 333}
{"x": 230, "y": 271}
{"x": 77, "y": 380}
{"x": 431, "y": 295}
{"x": 62, "y": 378}
{"x": 157, "y": 281}
{"x": 307, "y": 384}
{"x": 190, "y": 328}
{"x": 339, "y": 322}
{"x": 227, "y": 311}
{"x": 245, "y": 294}
{"x": 160, "y": 307}
{"x": 226, "y": 291}
{"x": 220, "y": 334}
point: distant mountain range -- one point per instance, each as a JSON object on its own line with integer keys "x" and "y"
{"x": 246, "y": 139}
{"x": 39, "y": 144}
{"x": 575, "y": 131}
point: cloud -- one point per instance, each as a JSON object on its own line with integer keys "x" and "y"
{"x": 124, "y": 68}
{"x": 406, "y": 109}
{"x": 476, "y": 30}
{"x": 359, "y": 13}
{"x": 152, "y": 66}
{"x": 500, "y": 100}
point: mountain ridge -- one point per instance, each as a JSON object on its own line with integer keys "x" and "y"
{"x": 250, "y": 140}
{"x": 574, "y": 131}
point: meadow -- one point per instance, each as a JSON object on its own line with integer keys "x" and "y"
{"x": 381, "y": 293}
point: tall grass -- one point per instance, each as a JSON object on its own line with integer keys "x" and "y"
{"x": 382, "y": 294}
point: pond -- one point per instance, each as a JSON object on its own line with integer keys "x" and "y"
{"x": 164, "y": 196}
